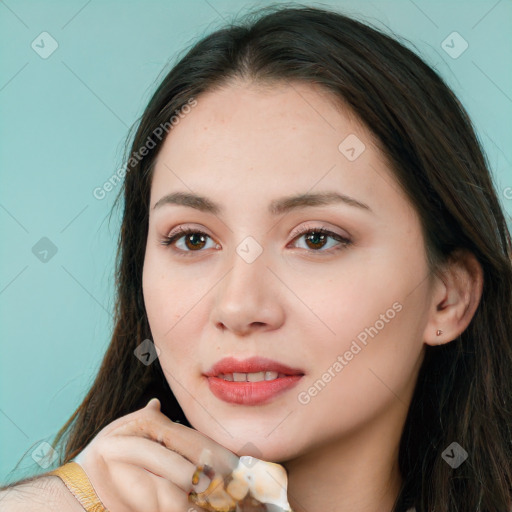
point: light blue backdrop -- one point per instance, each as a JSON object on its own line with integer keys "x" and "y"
{"x": 64, "y": 117}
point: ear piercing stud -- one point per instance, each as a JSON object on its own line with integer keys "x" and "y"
{"x": 439, "y": 332}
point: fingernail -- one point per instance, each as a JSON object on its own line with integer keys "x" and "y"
{"x": 203, "y": 483}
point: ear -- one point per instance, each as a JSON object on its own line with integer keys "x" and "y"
{"x": 455, "y": 297}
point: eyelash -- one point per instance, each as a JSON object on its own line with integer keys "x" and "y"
{"x": 344, "y": 242}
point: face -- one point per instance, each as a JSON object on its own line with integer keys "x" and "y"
{"x": 346, "y": 307}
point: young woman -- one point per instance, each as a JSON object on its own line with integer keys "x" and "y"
{"x": 313, "y": 269}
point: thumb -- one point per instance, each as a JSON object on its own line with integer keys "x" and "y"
{"x": 154, "y": 403}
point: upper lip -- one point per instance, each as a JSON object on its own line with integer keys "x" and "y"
{"x": 251, "y": 365}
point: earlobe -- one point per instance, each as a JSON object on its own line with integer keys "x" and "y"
{"x": 455, "y": 298}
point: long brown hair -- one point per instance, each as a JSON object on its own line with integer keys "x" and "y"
{"x": 464, "y": 388}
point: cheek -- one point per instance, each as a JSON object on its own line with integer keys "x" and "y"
{"x": 357, "y": 298}
{"x": 359, "y": 376}
{"x": 161, "y": 298}
{"x": 375, "y": 313}
{"x": 169, "y": 298}
{"x": 152, "y": 289}
{"x": 166, "y": 290}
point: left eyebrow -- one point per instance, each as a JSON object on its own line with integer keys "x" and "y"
{"x": 276, "y": 207}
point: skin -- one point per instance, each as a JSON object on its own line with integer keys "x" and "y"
{"x": 300, "y": 303}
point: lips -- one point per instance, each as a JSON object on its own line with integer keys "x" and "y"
{"x": 278, "y": 379}
{"x": 230, "y": 365}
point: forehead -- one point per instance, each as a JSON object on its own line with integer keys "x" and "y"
{"x": 267, "y": 110}
{"x": 247, "y": 136}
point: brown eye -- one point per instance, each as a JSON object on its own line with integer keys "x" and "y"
{"x": 317, "y": 238}
{"x": 193, "y": 240}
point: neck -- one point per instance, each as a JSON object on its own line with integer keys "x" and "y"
{"x": 358, "y": 473}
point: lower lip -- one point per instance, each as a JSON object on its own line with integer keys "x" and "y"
{"x": 251, "y": 393}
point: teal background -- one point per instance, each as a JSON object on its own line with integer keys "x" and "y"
{"x": 63, "y": 122}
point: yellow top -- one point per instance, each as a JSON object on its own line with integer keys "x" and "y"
{"x": 77, "y": 481}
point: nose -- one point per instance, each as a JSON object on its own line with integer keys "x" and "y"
{"x": 248, "y": 298}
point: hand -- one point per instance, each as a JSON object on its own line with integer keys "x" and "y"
{"x": 143, "y": 462}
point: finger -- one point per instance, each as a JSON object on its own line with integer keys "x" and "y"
{"x": 171, "y": 498}
{"x": 154, "y": 403}
{"x": 189, "y": 443}
{"x": 144, "y": 492}
{"x": 153, "y": 457}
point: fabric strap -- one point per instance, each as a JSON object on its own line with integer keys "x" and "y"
{"x": 77, "y": 481}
